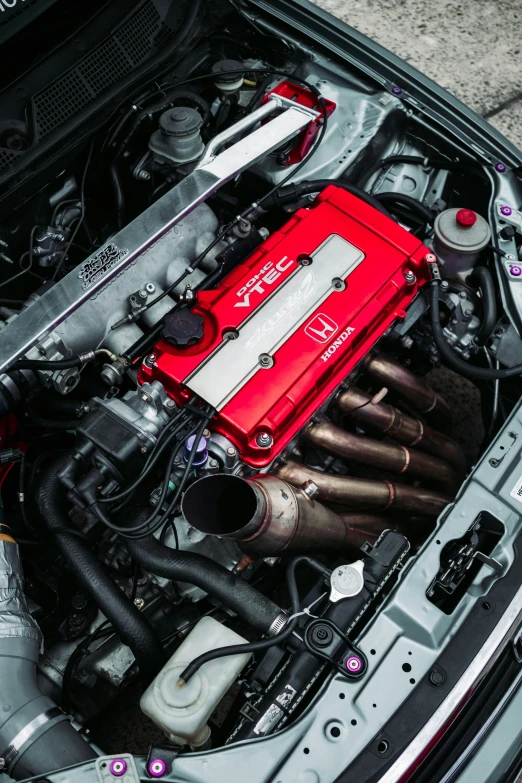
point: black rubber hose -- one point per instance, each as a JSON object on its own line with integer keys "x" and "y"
{"x": 119, "y": 198}
{"x": 133, "y": 628}
{"x": 263, "y": 644}
{"x": 230, "y": 589}
{"x": 451, "y": 358}
{"x": 43, "y": 364}
{"x": 51, "y": 424}
{"x": 484, "y": 280}
{"x": 425, "y": 213}
{"x": 291, "y": 193}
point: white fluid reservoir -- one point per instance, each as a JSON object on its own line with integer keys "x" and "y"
{"x": 183, "y": 712}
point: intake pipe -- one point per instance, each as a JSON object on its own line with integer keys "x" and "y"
{"x": 385, "y": 456}
{"x": 412, "y": 389}
{"x": 36, "y": 737}
{"x": 359, "y": 493}
{"x": 265, "y": 516}
{"x": 405, "y": 429}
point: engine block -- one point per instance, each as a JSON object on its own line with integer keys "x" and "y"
{"x": 285, "y": 328}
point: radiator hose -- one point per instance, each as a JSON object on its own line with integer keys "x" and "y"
{"x": 36, "y": 737}
{"x": 133, "y": 628}
{"x": 230, "y": 589}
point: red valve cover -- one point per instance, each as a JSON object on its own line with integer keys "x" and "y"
{"x": 285, "y": 328}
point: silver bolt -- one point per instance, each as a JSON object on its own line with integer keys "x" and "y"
{"x": 231, "y": 451}
{"x": 264, "y": 440}
{"x": 310, "y": 489}
{"x": 409, "y": 277}
{"x": 150, "y": 359}
{"x": 142, "y": 293}
{"x": 206, "y": 433}
{"x": 144, "y": 449}
{"x": 2, "y": 764}
{"x": 444, "y": 284}
{"x": 265, "y": 360}
{"x": 144, "y": 175}
{"x": 462, "y": 295}
{"x": 139, "y": 603}
{"x": 510, "y": 257}
{"x": 214, "y": 463}
{"x": 170, "y": 404}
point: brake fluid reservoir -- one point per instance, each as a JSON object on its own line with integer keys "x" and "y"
{"x": 460, "y": 235}
{"x": 183, "y": 712}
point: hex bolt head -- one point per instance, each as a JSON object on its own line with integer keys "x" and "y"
{"x": 139, "y": 603}
{"x": 206, "y": 433}
{"x": 265, "y": 360}
{"x": 231, "y": 452}
{"x": 264, "y": 440}
{"x": 410, "y": 277}
{"x": 149, "y": 360}
{"x": 157, "y": 768}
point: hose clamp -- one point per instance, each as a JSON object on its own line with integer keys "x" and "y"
{"x": 27, "y": 732}
{"x": 278, "y": 625}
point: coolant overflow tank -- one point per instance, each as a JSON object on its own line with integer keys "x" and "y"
{"x": 183, "y": 712}
{"x": 460, "y": 235}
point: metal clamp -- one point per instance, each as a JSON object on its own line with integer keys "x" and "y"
{"x": 326, "y": 640}
{"x": 27, "y": 732}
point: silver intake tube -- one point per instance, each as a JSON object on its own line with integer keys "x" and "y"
{"x": 265, "y": 516}
{"x": 36, "y": 737}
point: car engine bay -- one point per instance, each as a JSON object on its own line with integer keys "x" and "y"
{"x": 219, "y": 455}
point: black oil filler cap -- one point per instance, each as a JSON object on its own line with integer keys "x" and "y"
{"x": 183, "y": 328}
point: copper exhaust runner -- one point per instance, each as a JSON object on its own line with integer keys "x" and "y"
{"x": 413, "y": 389}
{"x": 385, "y": 456}
{"x": 402, "y": 428}
{"x": 266, "y": 516}
{"x": 366, "y": 493}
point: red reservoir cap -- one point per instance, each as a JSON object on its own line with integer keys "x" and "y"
{"x": 466, "y": 218}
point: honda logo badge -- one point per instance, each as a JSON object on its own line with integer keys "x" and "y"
{"x": 321, "y": 328}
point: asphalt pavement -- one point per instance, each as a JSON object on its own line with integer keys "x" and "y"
{"x": 473, "y": 49}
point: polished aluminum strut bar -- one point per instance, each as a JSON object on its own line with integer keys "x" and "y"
{"x": 214, "y": 170}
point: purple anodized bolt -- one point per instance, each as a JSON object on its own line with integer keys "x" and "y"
{"x": 505, "y": 210}
{"x": 500, "y": 167}
{"x": 396, "y": 90}
{"x": 354, "y": 664}
{"x": 118, "y": 767}
{"x": 516, "y": 271}
{"x": 201, "y": 454}
{"x": 157, "y": 768}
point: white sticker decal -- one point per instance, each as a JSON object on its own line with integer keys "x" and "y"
{"x": 516, "y": 492}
